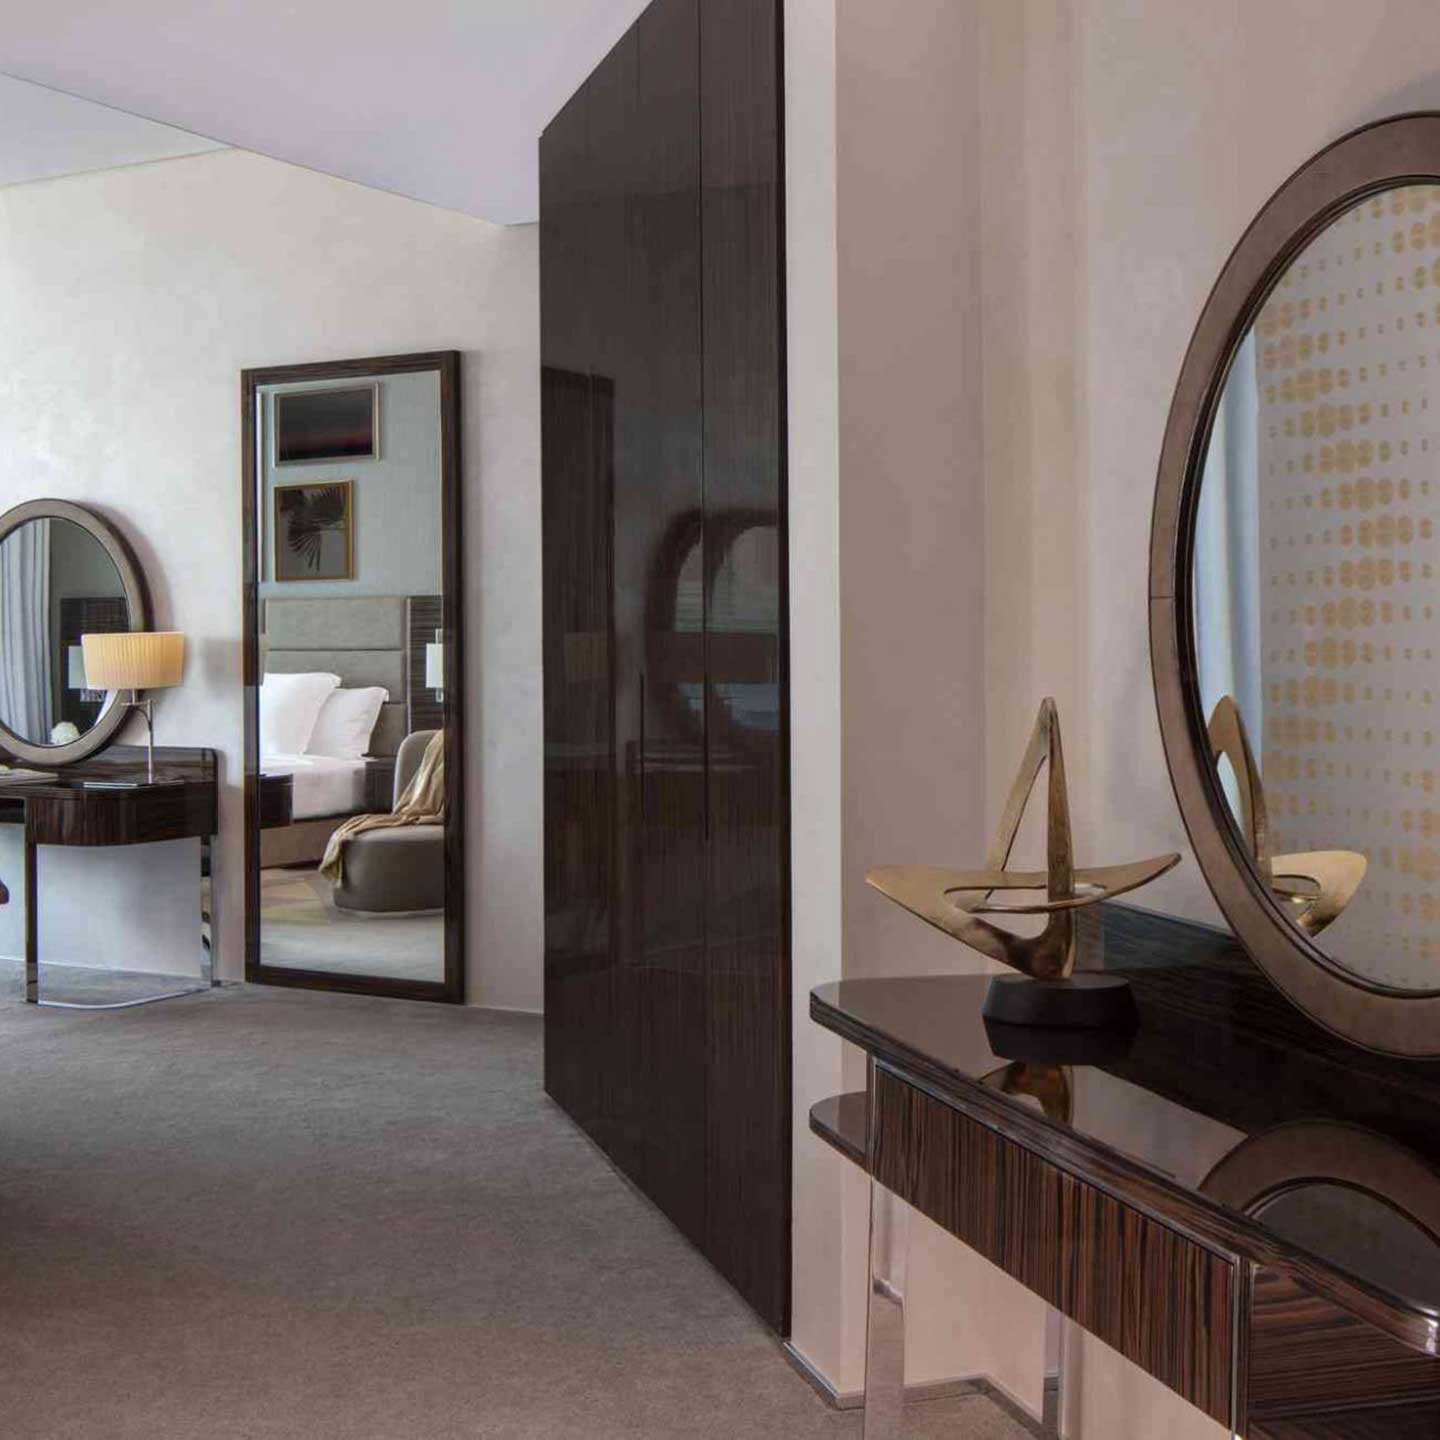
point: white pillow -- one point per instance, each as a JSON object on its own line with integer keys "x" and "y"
{"x": 289, "y": 708}
{"x": 347, "y": 720}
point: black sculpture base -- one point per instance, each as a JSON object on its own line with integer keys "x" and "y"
{"x": 1090, "y": 1000}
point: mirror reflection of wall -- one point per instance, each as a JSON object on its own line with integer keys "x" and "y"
{"x": 348, "y": 517}
{"x": 1316, "y": 563}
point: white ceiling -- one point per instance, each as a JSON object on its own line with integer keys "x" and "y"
{"x": 441, "y": 100}
{"x": 44, "y": 133}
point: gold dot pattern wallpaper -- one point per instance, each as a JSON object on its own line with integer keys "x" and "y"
{"x": 1347, "y": 353}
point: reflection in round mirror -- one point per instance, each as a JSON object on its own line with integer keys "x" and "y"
{"x": 57, "y": 583}
{"x": 1317, "y": 582}
{"x": 1360, "y": 1233}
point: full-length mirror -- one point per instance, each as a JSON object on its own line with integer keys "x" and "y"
{"x": 352, "y": 636}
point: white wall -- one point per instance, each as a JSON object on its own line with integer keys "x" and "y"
{"x": 129, "y": 303}
{"x": 1104, "y": 156}
{"x": 887, "y": 587}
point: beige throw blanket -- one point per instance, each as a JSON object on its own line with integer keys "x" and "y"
{"x": 422, "y": 802}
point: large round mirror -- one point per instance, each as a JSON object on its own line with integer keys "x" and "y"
{"x": 1296, "y": 587}
{"x": 64, "y": 573}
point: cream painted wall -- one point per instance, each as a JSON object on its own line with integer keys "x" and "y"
{"x": 1127, "y": 146}
{"x": 129, "y": 303}
{"x": 887, "y": 589}
{"x": 1101, "y": 156}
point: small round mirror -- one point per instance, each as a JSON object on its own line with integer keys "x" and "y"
{"x": 64, "y": 574}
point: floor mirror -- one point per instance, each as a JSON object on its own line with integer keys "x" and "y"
{"x": 353, "y": 702}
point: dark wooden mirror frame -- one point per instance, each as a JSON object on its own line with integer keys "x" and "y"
{"x": 137, "y": 600}
{"x": 446, "y": 363}
{"x": 1404, "y": 150}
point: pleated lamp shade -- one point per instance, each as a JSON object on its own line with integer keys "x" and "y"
{"x": 134, "y": 659}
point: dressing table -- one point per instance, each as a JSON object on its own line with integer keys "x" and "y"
{"x": 1288, "y": 1286}
{"x": 79, "y": 595}
{"x": 108, "y": 800}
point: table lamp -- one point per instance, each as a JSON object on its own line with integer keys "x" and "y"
{"x": 136, "y": 660}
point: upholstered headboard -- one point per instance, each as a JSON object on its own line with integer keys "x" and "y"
{"x": 364, "y": 640}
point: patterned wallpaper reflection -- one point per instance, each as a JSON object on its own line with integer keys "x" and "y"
{"x": 1347, "y": 356}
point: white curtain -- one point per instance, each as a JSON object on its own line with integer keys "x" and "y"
{"x": 1227, "y": 552}
{"x": 25, "y": 677}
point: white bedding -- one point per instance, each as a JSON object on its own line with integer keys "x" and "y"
{"x": 322, "y": 784}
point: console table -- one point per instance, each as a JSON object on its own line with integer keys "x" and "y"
{"x": 1282, "y": 1275}
{"x": 107, "y": 800}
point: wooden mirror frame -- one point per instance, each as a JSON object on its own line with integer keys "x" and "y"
{"x": 1404, "y": 150}
{"x": 137, "y": 601}
{"x": 445, "y": 363}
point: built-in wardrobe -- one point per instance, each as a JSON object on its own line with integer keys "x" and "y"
{"x": 667, "y": 971}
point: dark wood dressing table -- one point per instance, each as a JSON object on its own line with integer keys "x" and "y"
{"x": 1288, "y": 1285}
{"x": 108, "y": 800}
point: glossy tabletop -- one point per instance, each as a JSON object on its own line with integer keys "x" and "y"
{"x": 1233, "y": 1115}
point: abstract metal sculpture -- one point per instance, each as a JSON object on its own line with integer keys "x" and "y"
{"x": 1313, "y": 887}
{"x": 957, "y": 902}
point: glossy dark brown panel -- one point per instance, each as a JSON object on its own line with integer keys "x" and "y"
{"x": 747, "y": 910}
{"x": 659, "y": 545}
{"x": 1111, "y": 1269}
{"x": 276, "y": 799}
{"x": 580, "y": 1049}
{"x": 1308, "y": 1356}
{"x": 666, "y": 963}
{"x": 841, "y": 1121}
{"x": 107, "y": 799}
{"x": 1381, "y": 1422}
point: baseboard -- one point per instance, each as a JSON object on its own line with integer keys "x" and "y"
{"x": 984, "y": 1385}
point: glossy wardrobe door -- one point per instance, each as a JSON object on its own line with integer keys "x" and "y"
{"x": 667, "y": 966}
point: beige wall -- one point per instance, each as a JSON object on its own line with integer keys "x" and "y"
{"x": 129, "y": 303}
{"x": 1104, "y": 156}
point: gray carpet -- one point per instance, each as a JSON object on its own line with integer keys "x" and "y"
{"x": 262, "y": 1213}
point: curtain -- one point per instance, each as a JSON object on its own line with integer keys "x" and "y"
{"x": 25, "y": 677}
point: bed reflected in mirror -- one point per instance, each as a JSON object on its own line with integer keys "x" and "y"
{"x": 353, "y": 825}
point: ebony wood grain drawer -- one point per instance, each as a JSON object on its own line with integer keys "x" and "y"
{"x": 1117, "y": 1273}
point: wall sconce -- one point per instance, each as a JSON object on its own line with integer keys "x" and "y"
{"x": 435, "y": 666}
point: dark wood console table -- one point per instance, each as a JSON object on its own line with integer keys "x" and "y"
{"x": 1284, "y": 1278}
{"x": 108, "y": 800}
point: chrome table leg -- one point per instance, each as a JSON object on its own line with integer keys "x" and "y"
{"x": 885, "y": 1315}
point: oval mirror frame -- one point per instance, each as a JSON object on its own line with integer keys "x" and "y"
{"x": 137, "y": 599}
{"x": 1404, "y": 150}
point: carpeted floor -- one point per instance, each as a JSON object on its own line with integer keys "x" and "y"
{"x": 301, "y": 927}
{"x": 266, "y": 1213}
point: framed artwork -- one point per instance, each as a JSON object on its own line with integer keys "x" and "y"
{"x": 314, "y": 530}
{"x": 312, "y": 426}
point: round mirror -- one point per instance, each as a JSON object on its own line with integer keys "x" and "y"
{"x": 1316, "y": 577}
{"x": 64, "y": 574}
{"x": 1295, "y": 587}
